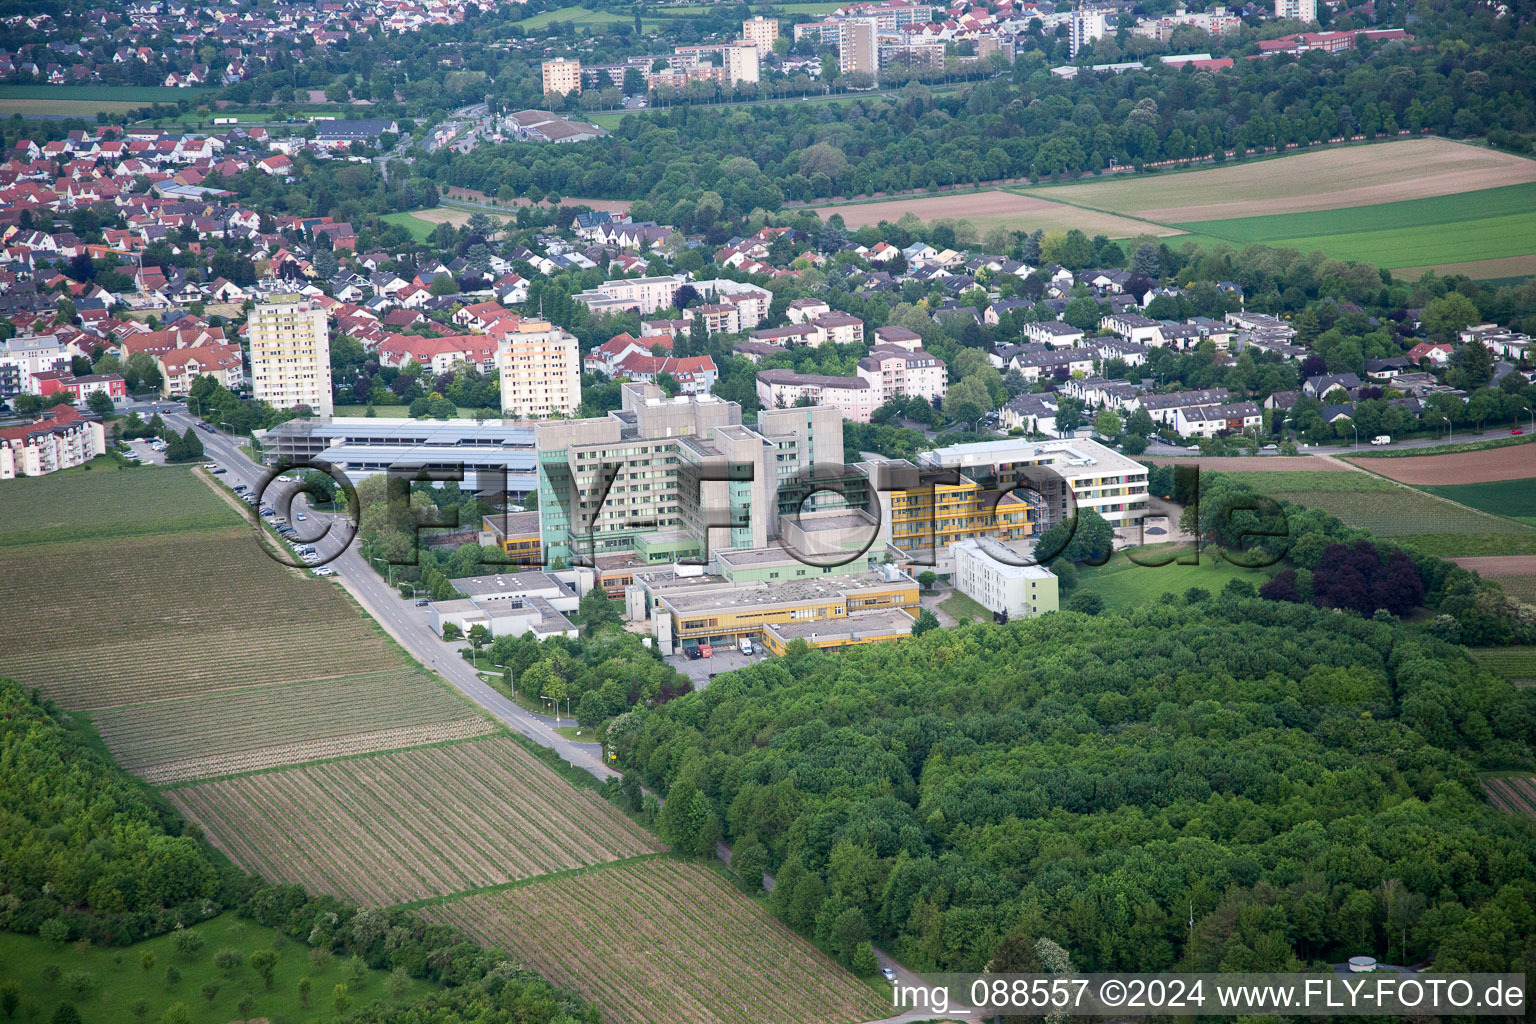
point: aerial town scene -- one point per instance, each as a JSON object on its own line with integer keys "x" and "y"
{"x": 810, "y": 512}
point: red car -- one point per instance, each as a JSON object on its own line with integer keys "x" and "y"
{"x": 1517, "y": 430}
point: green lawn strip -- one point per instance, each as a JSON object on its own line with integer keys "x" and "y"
{"x": 1287, "y": 480}
{"x": 961, "y": 607}
{"x": 117, "y": 980}
{"x": 1122, "y": 583}
{"x": 1482, "y": 204}
{"x": 1514, "y": 499}
{"x": 397, "y": 411}
{"x": 144, "y": 500}
{"x": 533, "y": 879}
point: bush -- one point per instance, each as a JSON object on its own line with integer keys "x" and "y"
{"x": 188, "y": 942}
{"x": 1085, "y": 601}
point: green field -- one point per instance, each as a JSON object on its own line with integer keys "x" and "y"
{"x": 141, "y": 94}
{"x": 1513, "y": 498}
{"x": 807, "y": 8}
{"x": 108, "y": 985}
{"x": 68, "y": 505}
{"x": 1509, "y": 201}
{"x": 418, "y": 228}
{"x": 1486, "y": 224}
{"x": 1122, "y": 584}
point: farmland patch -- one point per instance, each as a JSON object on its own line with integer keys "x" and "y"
{"x": 265, "y": 727}
{"x": 411, "y": 825}
{"x": 675, "y": 943}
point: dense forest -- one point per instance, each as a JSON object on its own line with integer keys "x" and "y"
{"x": 1034, "y": 125}
{"x": 88, "y": 852}
{"x": 1301, "y": 781}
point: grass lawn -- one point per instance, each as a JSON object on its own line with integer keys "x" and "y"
{"x": 111, "y": 984}
{"x": 1513, "y": 498}
{"x": 418, "y": 228}
{"x": 69, "y": 505}
{"x": 1123, "y": 584}
{"x": 961, "y": 608}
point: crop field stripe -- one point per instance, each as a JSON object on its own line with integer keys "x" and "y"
{"x": 554, "y": 797}
{"x": 1508, "y": 200}
{"x": 545, "y": 849}
{"x": 662, "y": 926}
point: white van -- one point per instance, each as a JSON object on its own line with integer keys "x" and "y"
{"x": 744, "y": 645}
{"x": 1381, "y": 439}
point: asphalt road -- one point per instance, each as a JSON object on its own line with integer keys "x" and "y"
{"x": 401, "y": 619}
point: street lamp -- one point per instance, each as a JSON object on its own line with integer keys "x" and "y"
{"x": 388, "y": 567}
{"x": 1526, "y": 408}
{"x": 1357, "y": 435}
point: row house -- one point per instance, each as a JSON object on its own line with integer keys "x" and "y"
{"x": 81, "y": 388}
{"x": 1210, "y": 420}
{"x": 695, "y": 375}
{"x": 1054, "y": 333}
{"x": 1163, "y": 408}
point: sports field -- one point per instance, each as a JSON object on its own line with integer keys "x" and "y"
{"x": 583, "y": 17}
{"x": 413, "y": 824}
{"x": 996, "y": 208}
{"x": 671, "y": 941}
{"x": 418, "y": 227}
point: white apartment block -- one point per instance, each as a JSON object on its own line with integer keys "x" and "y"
{"x": 540, "y": 368}
{"x": 760, "y": 32}
{"x": 645, "y": 294}
{"x": 1301, "y": 10}
{"x": 561, "y": 77}
{"x": 743, "y": 63}
{"x": 1088, "y": 24}
{"x": 751, "y": 302}
{"x": 892, "y": 370}
{"x": 291, "y": 354}
{"x": 21, "y": 358}
{"x": 61, "y": 438}
{"x": 987, "y": 572}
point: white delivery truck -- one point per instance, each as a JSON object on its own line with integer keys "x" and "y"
{"x": 744, "y": 645}
{"x": 1380, "y": 439}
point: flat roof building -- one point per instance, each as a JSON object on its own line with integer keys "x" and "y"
{"x": 1099, "y": 477}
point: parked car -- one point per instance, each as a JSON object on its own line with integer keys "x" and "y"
{"x": 422, "y": 602}
{"x": 323, "y": 571}
{"x": 692, "y": 652}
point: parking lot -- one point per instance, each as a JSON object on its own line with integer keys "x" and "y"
{"x": 698, "y": 670}
{"x": 146, "y": 454}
